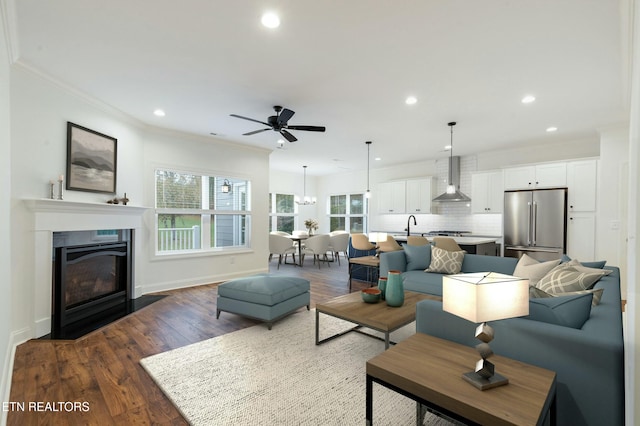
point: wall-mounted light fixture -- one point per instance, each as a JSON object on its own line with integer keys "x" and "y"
{"x": 226, "y": 187}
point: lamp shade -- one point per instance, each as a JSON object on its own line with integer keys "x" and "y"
{"x": 485, "y": 296}
{"x": 377, "y": 237}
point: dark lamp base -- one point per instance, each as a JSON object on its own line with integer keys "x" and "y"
{"x": 483, "y": 384}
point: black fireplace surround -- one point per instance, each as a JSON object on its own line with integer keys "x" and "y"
{"x": 90, "y": 280}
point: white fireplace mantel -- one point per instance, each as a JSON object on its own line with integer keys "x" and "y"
{"x": 59, "y": 216}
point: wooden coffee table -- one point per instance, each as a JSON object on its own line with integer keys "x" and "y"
{"x": 429, "y": 371}
{"x": 376, "y": 316}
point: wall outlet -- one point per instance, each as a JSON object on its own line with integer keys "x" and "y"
{"x": 614, "y": 225}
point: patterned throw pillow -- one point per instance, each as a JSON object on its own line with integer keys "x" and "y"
{"x": 530, "y": 268}
{"x": 445, "y": 262}
{"x": 563, "y": 280}
{"x": 535, "y": 292}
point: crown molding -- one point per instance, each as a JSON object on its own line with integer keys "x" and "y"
{"x": 10, "y": 20}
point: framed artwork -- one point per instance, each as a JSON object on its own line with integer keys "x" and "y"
{"x": 91, "y": 160}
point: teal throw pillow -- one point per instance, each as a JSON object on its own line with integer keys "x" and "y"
{"x": 567, "y": 311}
{"x": 418, "y": 257}
{"x": 597, "y": 264}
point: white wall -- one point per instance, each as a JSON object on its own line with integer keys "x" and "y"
{"x": 40, "y": 109}
{"x": 5, "y": 228}
{"x": 632, "y": 344}
{"x": 613, "y": 198}
{"x": 169, "y": 149}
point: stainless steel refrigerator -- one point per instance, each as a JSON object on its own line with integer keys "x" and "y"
{"x": 535, "y": 223}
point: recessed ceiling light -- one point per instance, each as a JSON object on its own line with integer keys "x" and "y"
{"x": 377, "y": 158}
{"x": 447, "y": 147}
{"x": 270, "y": 20}
{"x": 411, "y": 100}
{"x": 159, "y": 113}
{"x": 528, "y": 99}
{"x": 552, "y": 129}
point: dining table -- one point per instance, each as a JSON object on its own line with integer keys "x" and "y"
{"x": 298, "y": 239}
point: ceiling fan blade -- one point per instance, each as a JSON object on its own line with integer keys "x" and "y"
{"x": 256, "y": 131}
{"x": 250, "y": 119}
{"x": 308, "y": 128}
{"x": 284, "y": 116}
{"x": 288, "y": 136}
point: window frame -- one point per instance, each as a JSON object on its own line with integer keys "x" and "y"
{"x": 348, "y": 215}
{"x": 207, "y": 215}
{"x": 274, "y": 215}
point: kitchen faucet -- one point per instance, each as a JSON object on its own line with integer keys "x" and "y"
{"x": 409, "y": 224}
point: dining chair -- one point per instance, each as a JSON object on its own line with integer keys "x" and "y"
{"x": 360, "y": 242}
{"x": 417, "y": 240}
{"x": 282, "y": 246}
{"x": 446, "y": 243}
{"x": 317, "y": 245}
{"x": 283, "y": 233}
{"x": 389, "y": 245}
{"x": 338, "y": 243}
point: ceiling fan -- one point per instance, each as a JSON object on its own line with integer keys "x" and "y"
{"x": 279, "y": 123}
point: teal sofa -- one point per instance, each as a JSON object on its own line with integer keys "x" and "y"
{"x": 588, "y": 361}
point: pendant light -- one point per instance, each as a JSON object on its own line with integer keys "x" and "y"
{"x": 368, "y": 193}
{"x": 452, "y": 193}
{"x": 306, "y": 201}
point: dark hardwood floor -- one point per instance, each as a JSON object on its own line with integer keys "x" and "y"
{"x": 100, "y": 372}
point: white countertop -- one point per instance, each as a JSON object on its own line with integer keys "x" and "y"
{"x": 459, "y": 240}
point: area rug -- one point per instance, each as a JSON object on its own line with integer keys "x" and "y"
{"x": 280, "y": 377}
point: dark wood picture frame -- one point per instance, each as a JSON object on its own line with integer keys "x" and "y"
{"x": 92, "y": 160}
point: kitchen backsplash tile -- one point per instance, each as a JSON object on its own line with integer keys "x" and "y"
{"x": 447, "y": 216}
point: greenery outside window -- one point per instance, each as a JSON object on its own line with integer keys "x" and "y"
{"x": 201, "y": 213}
{"x": 282, "y": 212}
{"x": 347, "y": 213}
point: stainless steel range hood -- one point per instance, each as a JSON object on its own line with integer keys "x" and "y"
{"x": 454, "y": 181}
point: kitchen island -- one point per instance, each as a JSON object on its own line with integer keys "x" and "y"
{"x": 473, "y": 245}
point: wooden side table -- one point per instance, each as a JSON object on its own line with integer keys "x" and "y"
{"x": 429, "y": 371}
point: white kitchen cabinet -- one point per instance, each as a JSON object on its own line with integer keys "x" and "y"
{"x": 487, "y": 192}
{"x": 582, "y": 183}
{"x": 419, "y": 194}
{"x": 391, "y": 197}
{"x": 581, "y": 235}
{"x": 547, "y": 175}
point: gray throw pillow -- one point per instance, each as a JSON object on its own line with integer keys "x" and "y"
{"x": 445, "y": 262}
{"x": 530, "y": 268}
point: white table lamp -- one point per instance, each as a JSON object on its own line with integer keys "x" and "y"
{"x": 482, "y": 297}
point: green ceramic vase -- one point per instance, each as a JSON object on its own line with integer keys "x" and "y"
{"x": 382, "y": 285}
{"x": 394, "y": 292}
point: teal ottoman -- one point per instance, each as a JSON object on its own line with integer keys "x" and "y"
{"x": 264, "y": 297}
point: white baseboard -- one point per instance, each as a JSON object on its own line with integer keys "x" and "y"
{"x": 192, "y": 282}
{"x": 15, "y": 338}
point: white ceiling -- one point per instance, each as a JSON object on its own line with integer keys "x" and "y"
{"x": 346, "y": 65}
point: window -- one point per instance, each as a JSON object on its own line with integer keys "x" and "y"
{"x": 282, "y": 212}
{"x": 347, "y": 213}
{"x": 200, "y": 213}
